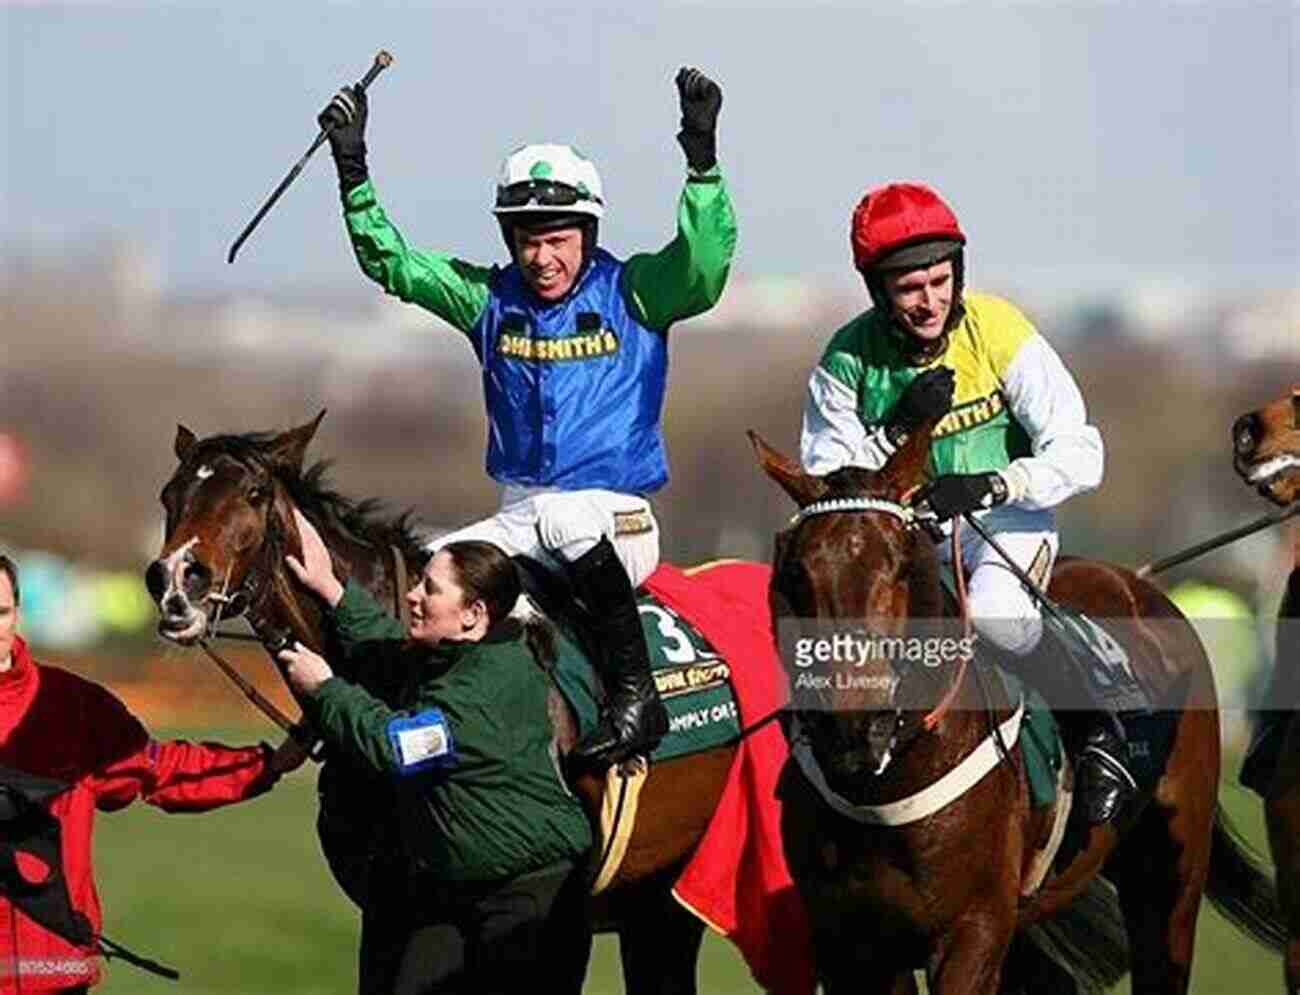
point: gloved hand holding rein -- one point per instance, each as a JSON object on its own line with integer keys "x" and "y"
{"x": 701, "y": 99}
{"x": 927, "y": 398}
{"x": 957, "y": 493}
{"x": 344, "y": 118}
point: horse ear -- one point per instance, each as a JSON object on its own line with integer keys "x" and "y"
{"x": 903, "y": 471}
{"x": 803, "y": 487}
{"x": 288, "y": 449}
{"x": 185, "y": 440}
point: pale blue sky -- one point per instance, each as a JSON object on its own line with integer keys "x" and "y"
{"x": 1082, "y": 144}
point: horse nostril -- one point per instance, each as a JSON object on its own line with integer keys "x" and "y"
{"x": 155, "y": 579}
{"x": 1245, "y": 434}
{"x": 197, "y": 579}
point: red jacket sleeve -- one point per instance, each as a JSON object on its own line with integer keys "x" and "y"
{"x": 175, "y": 776}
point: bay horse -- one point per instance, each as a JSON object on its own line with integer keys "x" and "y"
{"x": 945, "y": 889}
{"x": 1266, "y": 453}
{"x": 229, "y": 524}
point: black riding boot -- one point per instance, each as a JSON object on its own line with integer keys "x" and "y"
{"x": 633, "y": 720}
{"x": 1104, "y": 781}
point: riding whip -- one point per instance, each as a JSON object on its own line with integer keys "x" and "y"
{"x": 382, "y": 61}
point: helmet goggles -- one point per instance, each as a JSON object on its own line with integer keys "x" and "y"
{"x": 543, "y": 193}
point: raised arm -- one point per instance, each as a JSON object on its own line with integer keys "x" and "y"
{"x": 369, "y": 636}
{"x": 454, "y": 290}
{"x": 686, "y": 277}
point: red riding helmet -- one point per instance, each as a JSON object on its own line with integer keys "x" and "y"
{"x": 898, "y": 216}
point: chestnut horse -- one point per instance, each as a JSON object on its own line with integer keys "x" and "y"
{"x": 1266, "y": 452}
{"x": 944, "y": 888}
{"x": 229, "y": 523}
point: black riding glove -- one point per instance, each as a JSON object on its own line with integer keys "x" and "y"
{"x": 344, "y": 118}
{"x": 957, "y": 493}
{"x": 701, "y": 100}
{"x": 927, "y": 398}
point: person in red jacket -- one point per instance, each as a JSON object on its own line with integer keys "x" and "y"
{"x": 67, "y": 748}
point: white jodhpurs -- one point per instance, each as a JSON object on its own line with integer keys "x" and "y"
{"x": 560, "y": 526}
{"x": 1002, "y": 609}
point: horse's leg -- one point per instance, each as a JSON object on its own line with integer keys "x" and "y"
{"x": 1160, "y": 871}
{"x": 659, "y": 942}
{"x": 1282, "y": 816}
{"x": 968, "y": 960}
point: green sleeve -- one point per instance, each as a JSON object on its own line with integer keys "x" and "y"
{"x": 454, "y": 290}
{"x": 351, "y": 718}
{"x": 369, "y": 637}
{"x": 355, "y": 719}
{"x": 686, "y": 277}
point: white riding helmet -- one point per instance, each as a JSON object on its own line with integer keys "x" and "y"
{"x": 548, "y": 179}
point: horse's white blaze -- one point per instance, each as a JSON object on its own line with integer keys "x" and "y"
{"x": 175, "y": 564}
{"x": 204, "y": 472}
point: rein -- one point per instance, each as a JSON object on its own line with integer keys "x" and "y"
{"x": 930, "y": 721}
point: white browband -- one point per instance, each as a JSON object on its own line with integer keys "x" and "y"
{"x": 908, "y": 516}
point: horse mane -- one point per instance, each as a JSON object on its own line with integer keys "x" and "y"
{"x": 366, "y": 520}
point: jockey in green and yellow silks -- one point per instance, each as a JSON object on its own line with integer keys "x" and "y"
{"x": 1012, "y": 441}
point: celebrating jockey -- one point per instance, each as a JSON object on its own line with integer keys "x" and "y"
{"x": 1012, "y": 439}
{"x": 574, "y": 350}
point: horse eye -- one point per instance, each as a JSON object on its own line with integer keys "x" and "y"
{"x": 256, "y": 495}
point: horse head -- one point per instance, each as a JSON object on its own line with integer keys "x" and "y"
{"x": 229, "y": 522}
{"x": 1266, "y": 448}
{"x": 854, "y": 580}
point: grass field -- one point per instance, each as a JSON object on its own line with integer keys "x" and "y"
{"x": 240, "y": 900}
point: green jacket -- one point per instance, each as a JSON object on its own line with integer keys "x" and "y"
{"x": 503, "y": 809}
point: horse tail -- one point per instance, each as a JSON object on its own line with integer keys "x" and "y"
{"x": 1087, "y": 940}
{"x": 1240, "y": 887}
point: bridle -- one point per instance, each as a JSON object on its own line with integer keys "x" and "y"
{"x": 913, "y": 521}
{"x": 249, "y": 599}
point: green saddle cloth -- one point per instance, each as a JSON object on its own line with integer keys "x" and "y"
{"x": 693, "y": 679}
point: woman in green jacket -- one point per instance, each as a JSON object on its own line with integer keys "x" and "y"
{"x": 454, "y": 715}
